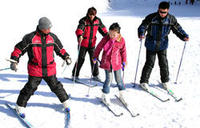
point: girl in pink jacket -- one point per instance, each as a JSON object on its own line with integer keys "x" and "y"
{"x": 113, "y": 59}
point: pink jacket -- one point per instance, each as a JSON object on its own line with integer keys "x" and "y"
{"x": 114, "y": 53}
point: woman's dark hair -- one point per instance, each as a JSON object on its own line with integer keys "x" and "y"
{"x": 92, "y": 11}
{"x": 164, "y": 5}
{"x": 115, "y": 27}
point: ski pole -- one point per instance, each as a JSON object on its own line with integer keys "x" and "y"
{"x": 97, "y": 60}
{"x": 123, "y": 75}
{"x": 76, "y": 65}
{"x": 11, "y": 60}
{"x": 88, "y": 94}
{"x": 180, "y": 63}
{"x": 63, "y": 64}
{"x": 123, "y": 70}
{"x": 137, "y": 62}
{"x": 64, "y": 69}
{"x": 92, "y": 72}
{"x": 91, "y": 78}
{"x": 4, "y": 69}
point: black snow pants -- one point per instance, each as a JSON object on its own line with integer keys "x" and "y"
{"x": 149, "y": 64}
{"x": 32, "y": 84}
{"x": 81, "y": 59}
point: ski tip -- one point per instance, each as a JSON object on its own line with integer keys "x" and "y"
{"x": 136, "y": 115}
{"x": 120, "y": 114}
{"x": 179, "y": 100}
{"x": 8, "y": 105}
{"x": 167, "y": 100}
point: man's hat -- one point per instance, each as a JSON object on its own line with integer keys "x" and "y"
{"x": 44, "y": 23}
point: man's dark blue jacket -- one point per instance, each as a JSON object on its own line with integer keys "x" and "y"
{"x": 158, "y": 30}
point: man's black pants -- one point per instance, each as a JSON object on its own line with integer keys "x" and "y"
{"x": 31, "y": 87}
{"x": 149, "y": 64}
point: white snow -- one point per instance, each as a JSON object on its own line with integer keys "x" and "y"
{"x": 44, "y": 109}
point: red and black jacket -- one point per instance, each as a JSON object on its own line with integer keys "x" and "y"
{"x": 40, "y": 47}
{"x": 88, "y": 29}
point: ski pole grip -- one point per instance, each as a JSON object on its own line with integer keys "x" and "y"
{"x": 11, "y": 60}
{"x": 94, "y": 60}
{"x": 123, "y": 65}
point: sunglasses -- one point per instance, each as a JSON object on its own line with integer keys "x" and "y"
{"x": 163, "y": 12}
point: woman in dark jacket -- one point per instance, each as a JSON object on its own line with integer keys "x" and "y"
{"x": 86, "y": 34}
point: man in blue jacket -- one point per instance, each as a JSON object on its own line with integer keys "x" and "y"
{"x": 158, "y": 26}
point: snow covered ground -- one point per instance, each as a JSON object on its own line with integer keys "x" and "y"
{"x": 44, "y": 109}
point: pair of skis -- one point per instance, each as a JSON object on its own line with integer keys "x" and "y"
{"x": 28, "y": 124}
{"x": 169, "y": 92}
{"x": 172, "y": 94}
{"x": 113, "y": 111}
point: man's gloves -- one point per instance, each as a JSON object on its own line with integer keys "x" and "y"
{"x": 13, "y": 66}
{"x": 68, "y": 60}
{"x": 186, "y": 39}
{"x": 141, "y": 37}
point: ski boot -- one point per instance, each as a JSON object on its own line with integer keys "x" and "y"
{"x": 106, "y": 99}
{"x": 20, "y": 111}
{"x": 75, "y": 78}
{"x": 66, "y": 110}
{"x": 121, "y": 97}
{"x": 65, "y": 105}
{"x": 165, "y": 85}
{"x": 144, "y": 86}
{"x": 96, "y": 78}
